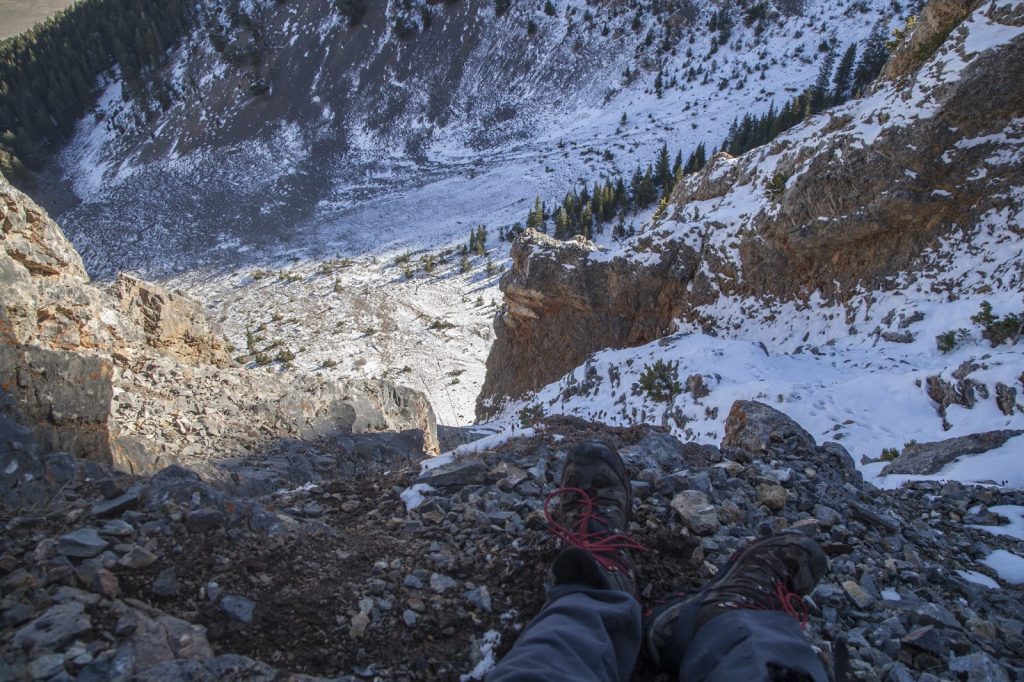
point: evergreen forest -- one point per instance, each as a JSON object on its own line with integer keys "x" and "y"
{"x": 49, "y": 75}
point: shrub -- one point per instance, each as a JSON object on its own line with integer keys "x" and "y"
{"x": 284, "y": 355}
{"x": 948, "y": 341}
{"x": 777, "y": 185}
{"x": 531, "y": 414}
{"x": 659, "y": 381}
{"x": 328, "y": 363}
{"x": 889, "y": 454}
{"x": 998, "y": 329}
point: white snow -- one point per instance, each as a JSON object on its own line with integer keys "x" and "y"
{"x": 413, "y": 496}
{"x": 489, "y": 643}
{"x": 1008, "y": 565}
{"x": 1014, "y": 529}
{"x": 979, "y": 578}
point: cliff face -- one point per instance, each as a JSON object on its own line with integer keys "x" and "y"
{"x": 562, "y": 304}
{"x": 136, "y": 376}
{"x": 841, "y": 204}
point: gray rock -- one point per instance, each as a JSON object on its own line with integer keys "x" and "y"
{"x": 83, "y": 543}
{"x": 871, "y": 516}
{"x": 116, "y": 505}
{"x": 203, "y": 520}
{"x": 413, "y": 582}
{"x": 461, "y": 472}
{"x": 772, "y": 496}
{"x": 1006, "y": 398}
{"x": 138, "y": 557}
{"x": 166, "y": 584}
{"x": 238, "y": 608}
{"x": 117, "y": 528}
{"x": 858, "y": 594}
{"x": 441, "y": 583}
{"x": 979, "y": 667}
{"x": 758, "y": 428}
{"x": 934, "y": 614}
{"x": 479, "y": 598}
{"x": 927, "y": 638}
{"x": 696, "y": 511}
{"x": 409, "y": 617}
{"x": 58, "y": 625}
{"x": 929, "y": 458}
{"x": 827, "y": 516}
{"x": 46, "y": 667}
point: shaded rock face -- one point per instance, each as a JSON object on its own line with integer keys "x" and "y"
{"x": 561, "y": 306}
{"x": 64, "y": 396}
{"x": 855, "y": 211}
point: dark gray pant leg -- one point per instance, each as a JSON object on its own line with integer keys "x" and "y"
{"x": 582, "y": 633}
{"x": 741, "y": 644}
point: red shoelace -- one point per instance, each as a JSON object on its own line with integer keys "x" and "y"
{"x": 602, "y": 544}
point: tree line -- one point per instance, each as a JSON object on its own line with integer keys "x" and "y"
{"x": 49, "y": 74}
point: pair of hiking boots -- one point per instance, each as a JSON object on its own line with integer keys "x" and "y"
{"x": 591, "y": 518}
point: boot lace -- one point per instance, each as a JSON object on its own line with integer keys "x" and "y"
{"x": 603, "y": 545}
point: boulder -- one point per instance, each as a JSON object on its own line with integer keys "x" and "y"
{"x": 757, "y": 428}
{"x": 929, "y": 458}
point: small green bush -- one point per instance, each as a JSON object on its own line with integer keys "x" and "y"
{"x": 328, "y": 363}
{"x": 947, "y": 341}
{"x": 531, "y": 414}
{"x": 659, "y": 382}
{"x": 997, "y": 329}
{"x": 889, "y": 454}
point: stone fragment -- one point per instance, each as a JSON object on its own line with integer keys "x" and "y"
{"x": 58, "y": 625}
{"x": 46, "y": 667}
{"x": 827, "y": 516}
{"x": 934, "y": 614}
{"x": 127, "y": 500}
{"x": 359, "y": 623}
{"x": 238, "y": 608}
{"x": 696, "y": 511}
{"x": 758, "y": 428}
{"x": 138, "y": 557}
{"x": 926, "y": 638}
{"x": 206, "y": 519}
{"x": 441, "y": 583}
{"x": 461, "y": 472}
{"x": 117, "y": 528}
{"x": 1006, "y": 398}
{"x": 772, "y": 496}
{"x": 409, "y": 617}
{"x": 166, "y": 584}
{"x": 479, "y": 598}
{"x": 82, "y": 543}
{"x": 858, "y": 594}
{"x": 979, "y": 667}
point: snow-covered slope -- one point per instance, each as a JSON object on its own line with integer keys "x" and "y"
{"x": 367, "y": 147}
{"x": 855, "y": 366}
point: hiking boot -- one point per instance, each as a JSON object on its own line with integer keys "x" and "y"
{"x": 593, "y": 510}
{"x": 771, "y": 574}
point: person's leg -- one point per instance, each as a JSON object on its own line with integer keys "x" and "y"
{"x": 746, "y": 623}
{"x": 582, "y": 633}
{"x": 590, "y": 627}
{"x": 750, "y": 645}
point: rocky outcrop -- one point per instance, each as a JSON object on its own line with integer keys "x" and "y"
{"x": 562, "y": 304}
{"x": 936, "y": 20}
{"x": 136, "y": 376}
{"x": 929, "y": 458}
{"x": 840, "y": 205}
{"x": 171, "y": 323}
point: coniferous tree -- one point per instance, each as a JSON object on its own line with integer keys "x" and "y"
{"x": 843, "y": 78}
{"x": 873, "y": 58}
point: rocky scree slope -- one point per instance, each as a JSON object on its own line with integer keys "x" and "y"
{"x": 134, "y": 375}
{"x": 429, "y": 575}
{"x": 863, "y": 198}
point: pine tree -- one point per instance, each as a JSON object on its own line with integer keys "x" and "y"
{"x": 843, "y": 78}
{"x": 663, "y": 170}
{"x": 873, "y": 58}
{"x": 819, "y": 91}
